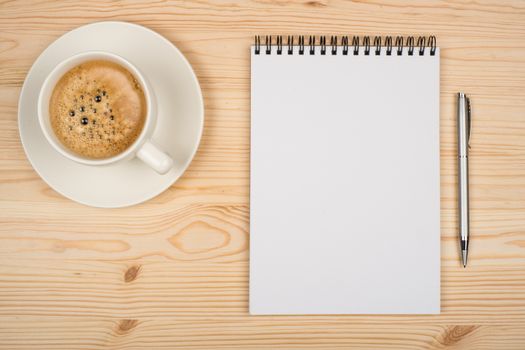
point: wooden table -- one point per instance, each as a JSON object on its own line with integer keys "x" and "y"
{"x": 173, "y": 272}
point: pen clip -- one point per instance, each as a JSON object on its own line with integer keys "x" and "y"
{"x": 469, "y": 120}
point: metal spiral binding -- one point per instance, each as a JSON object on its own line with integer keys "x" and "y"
{"x": 366, "y": 43}
{"x": 344, "y": 43}
{"x": 410, "y": 45}
{"x": 388, "y": 44}
{"x": 400, "y": 43}
{"x": 355, "y": 44}
{"x": 311, "y": 42}
{"x": 432, "y": 42}
{"x": 377, "y": 44}
{"x": 421, "y": 44}
{"x": 322, "y": 42}
{"x": 257, "y": 49}
{"x": 301, "y": 45}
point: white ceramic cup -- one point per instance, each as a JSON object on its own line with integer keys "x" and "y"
{"x": 143, "y": 147}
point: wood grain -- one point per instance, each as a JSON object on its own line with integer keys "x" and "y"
{"x": 173, "y": 272}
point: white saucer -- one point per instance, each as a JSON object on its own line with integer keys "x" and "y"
{"x": 179, "y": 126}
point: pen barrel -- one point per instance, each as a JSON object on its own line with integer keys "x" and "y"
{"x": 463, "y": 125}
{"x": 463, "y": 197}
{"x": 463, "y": 185}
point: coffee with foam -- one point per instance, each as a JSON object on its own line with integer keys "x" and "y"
{"x": 97, "y": 109}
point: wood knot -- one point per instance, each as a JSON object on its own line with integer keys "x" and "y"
{"x": 131, "y": 273}
{"x": 316, "y": 4}
{"x": 200, "y": 237}
{"x": 454, "y": 334}
{"x": 127, "y": 325}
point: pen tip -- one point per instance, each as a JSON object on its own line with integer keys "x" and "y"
{"x": 464, "y": 257}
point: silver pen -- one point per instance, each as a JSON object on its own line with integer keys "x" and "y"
{"x": 464, "y": 128}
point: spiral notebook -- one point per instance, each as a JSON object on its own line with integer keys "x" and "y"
{"x": 345, "y": 185}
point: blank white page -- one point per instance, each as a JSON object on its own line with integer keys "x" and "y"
{"x": 345, "y": 186}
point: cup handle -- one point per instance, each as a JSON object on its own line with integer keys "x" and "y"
{"x": 155, "y": 158}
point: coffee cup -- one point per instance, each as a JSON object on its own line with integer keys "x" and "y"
{"x": 142, "y": 146}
